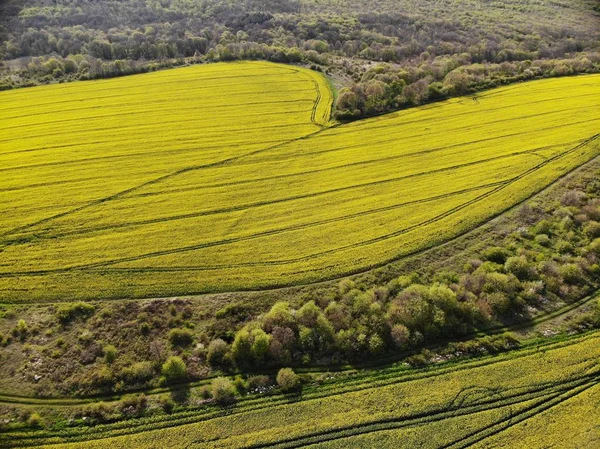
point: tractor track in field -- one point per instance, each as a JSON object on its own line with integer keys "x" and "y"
{"x": 297, "y": 197}
{"x": 149, "y": 106}
{"x": 427, "y": 151}
{"x": 163, "y": 112}
{"x": 177, "y": 172}
{"x": 545, "y": 396}
{"x": 544, "y": 400}
{"x": 341, "y": 167}
{"x": 542, "y": 394}
{"x": 411, "y": 254}
{"x": 145, "y": 184}
{"x": 270, "y": 231}
{"x": 259, "y": 204}
{"x": 218, "y": 130}
{"x": 217, "y": 107}
{"x": 518, "y": 417}
{"x": 121, "y": 155}
{"x": 178, "y": 81}
{"x": 102, "y": 265}
{"x": 356, "y": 126}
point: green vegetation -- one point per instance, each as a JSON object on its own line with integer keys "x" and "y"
{"x": 353, "y": 321}
{"x": 546, "y": 260}
{"x": 174, "y": 369}
{"x": 181, "y": 337}
{"x": 222, "y": 391}
{"x": 288, "y": 380}
{"x": 68, "y": 312}
{"x": 451, "y": 404}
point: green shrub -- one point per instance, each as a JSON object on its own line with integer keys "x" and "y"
{"x": 279, "y": 315}
{"x": 102, "y": 378}
{"x": 499, "y": 302}
{"x": 592, "y": 229}
{"x": 496, "y": 254}
{"x": 400, "y": 335}
{"x": 542, "y": 239}
{"x": 20, "y": 330}
{"x": 260, "y": 345}
{"x": 133, "y": 405}
{"x": 181, "y": 337}
{"x": 110, "y": 354}
{"x": 144, "y": 328}
{"x": 543, "y": 227}
{"x": 520, "y": 267}
{"x": 238, "y": 311}
{"x": 138, "y": 372}
{"x": 307, "y": 314}
{"x": 594, "y": 247}
{"x": 35, "y": 421}
{"x": 418, "y": 360}
{"x": 288, "y": 380}
{"x": 68, "y": 312}
{"x": 174, "y": 369}
{"x": 241, "y": 385}
{"x": 167, "y": 404}
{"x": 261, "y": 382}
{"x": 571, "y": 273}
{"x": 223, "y": 391}
{"x": 100, "y": 412}
{"x": 376, "y": 344}
{"x": 564, "y": 247}
{"x": 241, "y": 347}
{"x": 217, "y": 352}
{"x": 345, "y": 285}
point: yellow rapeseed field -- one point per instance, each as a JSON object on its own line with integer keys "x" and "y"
{"x": 231, "y": 176}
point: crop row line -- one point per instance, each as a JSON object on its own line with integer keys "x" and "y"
{"x": 271, "y": 231}
{"x": 149, "y": 106}
{"x": 306, "y": 257}
{"x": 432, "y": 120}
{"x": 410, "y": 228}
{"x": 163, "y": 120}
{"x": 148, "y": 183}
{"x": 263, "y": 203}
{"x": 178, "y": 81}
{"x": 528, "y": 393}
{"x": 248, "y": 206}
{"x": 346, "y": 431}
{"x": 222, "y": 106}
{"x": 233, "y": 239}
{"x": 285, "y": 157}
{"x": 518, "y": 417}
{"x": 336, "y": 167}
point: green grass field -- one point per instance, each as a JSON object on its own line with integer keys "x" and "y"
{"x": 231, "y": 177}
{"x": 491, "y": 402}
